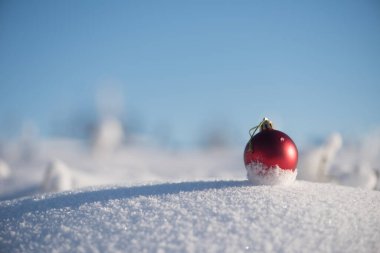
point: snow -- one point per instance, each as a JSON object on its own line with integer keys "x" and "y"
{"x": 127, "y": 165}
{"x": 57, "y": 177}
{"x": 54, "y": 198}
{"x": 108, "y": 136}
{"x": 111, "y": 156}
{"x": 201, "y": 216}
{"x": 4, "y": 170}
{"x": 317, "y": 162}
{"x": 351, "y": 163}
{"x": 260, "y": 174}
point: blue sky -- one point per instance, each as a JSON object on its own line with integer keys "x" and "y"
{"x": 313, "y": 67}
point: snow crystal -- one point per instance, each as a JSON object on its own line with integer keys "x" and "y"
{"x": 260, "y": 174}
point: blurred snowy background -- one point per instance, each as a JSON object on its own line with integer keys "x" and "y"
{"x": 129, "y": 92}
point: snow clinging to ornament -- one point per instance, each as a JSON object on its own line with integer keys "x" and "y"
{"x": 270, "y": 156}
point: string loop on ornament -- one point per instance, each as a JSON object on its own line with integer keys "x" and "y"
{"x": 254, "y": 129}
{"x": 261, "y": 126}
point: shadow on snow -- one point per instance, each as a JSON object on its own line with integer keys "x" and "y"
{"x": 74, "y": 200}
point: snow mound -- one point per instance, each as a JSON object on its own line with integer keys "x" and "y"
{"x": 108, "y": 137}
{"x": 215, "y": 216}
{"x": 259, "y": 174}
{"x": 4, "y": 170}
{"x": 317, "y": 162}
{"x": 361, "y": 176}
{"x": 57, "y": 177}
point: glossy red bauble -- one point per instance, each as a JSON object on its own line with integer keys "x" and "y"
{"x": 272, "y": 148}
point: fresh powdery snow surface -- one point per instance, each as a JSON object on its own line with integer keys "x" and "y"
{"x": 199, "y": 216}
{"x": 260, "y": 174}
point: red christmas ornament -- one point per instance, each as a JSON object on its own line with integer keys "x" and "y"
{"x": 270, "y": 150}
